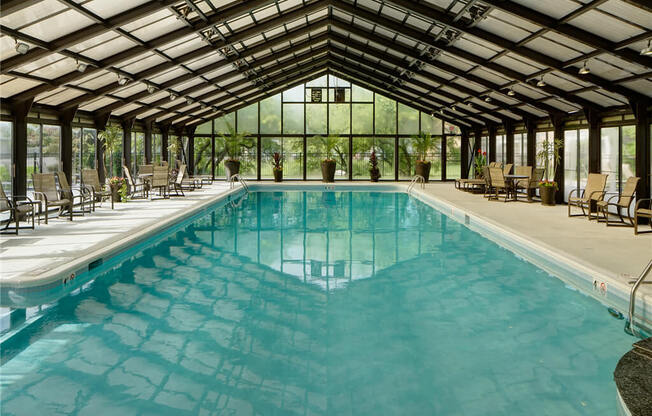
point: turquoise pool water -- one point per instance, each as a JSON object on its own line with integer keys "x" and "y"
{"x": 311, "y": 303}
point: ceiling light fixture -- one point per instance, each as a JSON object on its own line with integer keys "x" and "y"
{"x": 541, "y": 82}
{"x": 81, "y": 66}
{"x": 647, "y": 50}
{"x": 151, "y": 89}
{"x": 511, "y": 92}
{"x": 173, "y": 96}
{"x": 21, "y": 47}
{"x": 584, "y": 70}
{"x": 453, "y": 108}
{"x": 122, "y": 80}
{"x": 189, "y": 101}
{"x": 487, "y": 99}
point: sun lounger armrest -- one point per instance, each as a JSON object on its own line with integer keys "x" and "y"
{"x": 22, "y": 199}
{"x": 641, "y": 201}
{"x": 576, "y": 190}
{"x": 591, "y": 197}
{"x": 41, "y": 197}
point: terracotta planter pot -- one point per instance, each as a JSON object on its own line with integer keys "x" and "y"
{"x": 423, "y": 169}
{"x": 375, "y": 174}
{"x": 328, "y": 170}
{"x": 547, "y": 195}
{"x": 232, "y": 167}
{"x": 278, "y": 175}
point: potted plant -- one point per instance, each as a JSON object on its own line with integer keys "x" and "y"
{"x": 549, "y": 157}
{"x": 175, "y": 148}
{"x": 233, "y": 142}
{"x": 328, "y": 165}
{"x": 373, "y": 167}
{"x": 118, "y": 187}
{"x": 111, "y": 138}
{"x": 480, "y": 163}
{"x": 422, "y": 143}
{"x": 278, "y": 167}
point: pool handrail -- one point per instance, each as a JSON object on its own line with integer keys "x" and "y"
{"x": 240, "y": 179}
{"x": 629, "y": 326}
{"x": 416, "y": 179}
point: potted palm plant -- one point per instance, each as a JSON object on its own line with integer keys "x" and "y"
{"x": 373, "y": 167}
{"x": 422, "y": 143}
{"x": 233, "y": 142}
{"x": 549, "y": 157}
{"x": 111, "y": 138}
{"x": 328, "y": 165}
{"x": 278, "y": 167}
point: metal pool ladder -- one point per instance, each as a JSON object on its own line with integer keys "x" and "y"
{"x": 416, "y": 179}
{"x": 629, "y": 326}
{"x": 240, "y": 179}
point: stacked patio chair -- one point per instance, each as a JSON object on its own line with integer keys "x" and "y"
{"x": 499, "y": 184}
{"x": 587, "y": 198}
{"x": 624, "y": 202}
{"x": 640, "y": 211}
{"x": 178, "y": 185}
{"x": 529, "y": 186}
{"x": 134, "y": 188}
{"x": 91, "y": 182}
{"x": 83, "y": 195}
{"x": 45, "y": 191}
{"x": 161, "y": 181}
{"x": 507, "y": 168}
{"x": 18, "y": 208}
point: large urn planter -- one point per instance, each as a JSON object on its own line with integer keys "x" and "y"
{"x": 232, "y": 168}
{"x": 423, "y": 169}
{"x": 278, "y": 175}
{"x": 374, "y": 174}
{"x": 547, "y": 195}
{"x": 328, "y": 170}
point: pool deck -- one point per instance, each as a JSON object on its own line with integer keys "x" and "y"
{"x": 33, "y": 255}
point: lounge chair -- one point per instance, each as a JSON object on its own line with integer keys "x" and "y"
{"x": 507, "y": 168}
{"x": 498, "y": 184}
{"x": 45, "y": 191}
{"x": 134, "y": 187}
{"x": 529, "y": 186}
{"x": 161, "y": 181}
{"x": 486, "y": 176}
{"x": 68, "y": 192}
{"x": 624, "y": 202}
{"x": 91, "y": 181}
{"x": 586, "y": 198}
{"x": 177, "y": 185}
{"x": 641, "y": 212}
{"x": 18, "y": 208}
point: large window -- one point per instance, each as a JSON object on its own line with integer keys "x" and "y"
{"x": 362, "y": 149}
{"x": 157, "y": 151}
{"x": 6, "y": 169}
{"x": 453, "y": 157}
{"x": 576, "y": 160}
{"x": 84, "y": 142}
{"x": 137, "y": 151}
{"x": 408, "y": 157}
{"x": 540, "y": 138}
{"x": 291, "y": 151}
{"x": 520, "y": 149}
{"x": 202, "y": 155}
{"x": 618, "y": 155}
{"x": 501, "y": 148}
{"x": 43, "y": 149}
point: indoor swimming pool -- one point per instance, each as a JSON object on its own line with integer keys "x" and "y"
{"x": 316, "y": 303}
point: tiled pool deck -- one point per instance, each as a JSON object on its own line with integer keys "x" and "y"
{"x": 33, "y": 254}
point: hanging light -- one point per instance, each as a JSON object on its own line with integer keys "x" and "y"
{"x": 541, "y": 82}
{"x": 81, "y": 66}
{"x": 189, "y": 100}
{"x": 511, "y": 92}
{"x": 647, "y": 50}
{"x": 487, "y": 99}
{"x": 173, "y": 96}
{"x": 21, "y": 47}
{"x": 122, "y": 80}
{"x": 453, "y": 108}
{"x": 202, "y": 106}
{"x": 151, "y": 89}
{"x": 584, "y": 70}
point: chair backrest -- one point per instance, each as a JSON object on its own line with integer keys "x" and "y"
{"x": 497, "y": 177}
{"x": 45, "y": 184}
{"x": 164, "y": 163}
{"x": 493, "y": 164}
{"x": 130, "y": 180}
{"x": 595, "y": 186}
{"x": 91, "y": 178}
{"x": 486, "y": 175}
{"x": 507, "y": 168}
{"x": 537, "y": 176}
{"x": 160, "y": 176}
{"x": 180, "y": 173}
{"x": 63, "y": 182}
{"x": 146, "y": 169}
{"x": 523, "y": 171}
{"x": 5, "y": 205}
{"x": 627, "y": 196}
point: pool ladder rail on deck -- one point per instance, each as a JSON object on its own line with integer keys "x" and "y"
{"x": 416, "y": 179}
{"x": 240, "y": 179}
{"x": 630, "y": 328}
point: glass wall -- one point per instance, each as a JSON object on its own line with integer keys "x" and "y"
{"x": 453, "y": 156}
{"x": 43, "y": 150}
{"x": 520, "y": 149}
{"x": 84, "y": 143}
{"x": 618, "y": 155}
{"x": 6, "y": 167}
{"x": 540, "y": 138}
{"x": 576, "y": 160}
{"x": 203, "y": 155}
{"x": 157, "y": 151}
{"x": 501, "y": 148}
{"x": 137, "y": 151}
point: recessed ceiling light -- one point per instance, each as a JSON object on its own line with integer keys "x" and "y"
{"x": 541, "y": 82}
{"x": 584, "y": 70}
{"x": 21, "y": 47}
{"x": 647, "y": 50}
{"x": 81, "y": 66}
{"x": 511, "y": 92}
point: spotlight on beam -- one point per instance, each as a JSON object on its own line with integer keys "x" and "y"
{"x": 21, "y": 47}
{"x": 173, "y": 96}
{"x": 81, "y": 66}
{"x": 648, "y": 49}
{"x": 584, "y": 70}
{"x": 151, "y": 89}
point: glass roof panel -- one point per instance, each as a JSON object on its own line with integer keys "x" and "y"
{"x": 15, "y": 86}
{"x": 32, "y": 14}
{"x": 107, "y": 8}
{"x": 608, "y": 27}
{"x": 58, "y": 25}
{"x": 158, "y": 28}
{"x": 109, "y": 48}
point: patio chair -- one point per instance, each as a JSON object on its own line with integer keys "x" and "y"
{"x": 45, "y": 191}
{"x": 178, "y": 185}
{"x": 507, "y": 168}
{"x": 161, "y": 181}
{"x": 499, "y": 184}
{"x": 624, "y": 202}
{"x": 641, "y": 212}
{"x": 529, "y": 185}
{"x": 134, "y": 187}
{"x": 486, "y": 176}
{"x": 586, "y": 198}
{"x": 68, "y": 192}
{"x": 91, "y": 182}
{"x": 18, "y": 209}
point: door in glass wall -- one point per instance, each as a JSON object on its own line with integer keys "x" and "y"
{"x": 384, "y": 150}
{"x": 541, "y": 137}
{"x": 609, "y": 149}
{"x": 84, "y": 142}
{"x": 453, "y": 157}
{"x": 202, "y": 155}
{"x": 520, "y": 149}
{"x": 628, "y": 152}
{"x": 6, "y": 165}
{"x": 291, "y": 151}
{"x": 484, "y": 146}
{"x": 137, "y": 151}
{"x": 157, "y": 151}
{"x": 501, "y": 155}
{"x": 43, "y": 150}
{"x": 50, "y": 148}
{"x": 407, "y": 154}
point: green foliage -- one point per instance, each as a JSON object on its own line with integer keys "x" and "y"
{"x": 422, "y": 142}
{"x": 234, "y": 142}
{"x": 111, "y": 138}
{"x": 330, "y": 143}
{"x": 549, "y": 157}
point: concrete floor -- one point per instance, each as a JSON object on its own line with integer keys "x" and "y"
{"x": 36, "y": 254}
